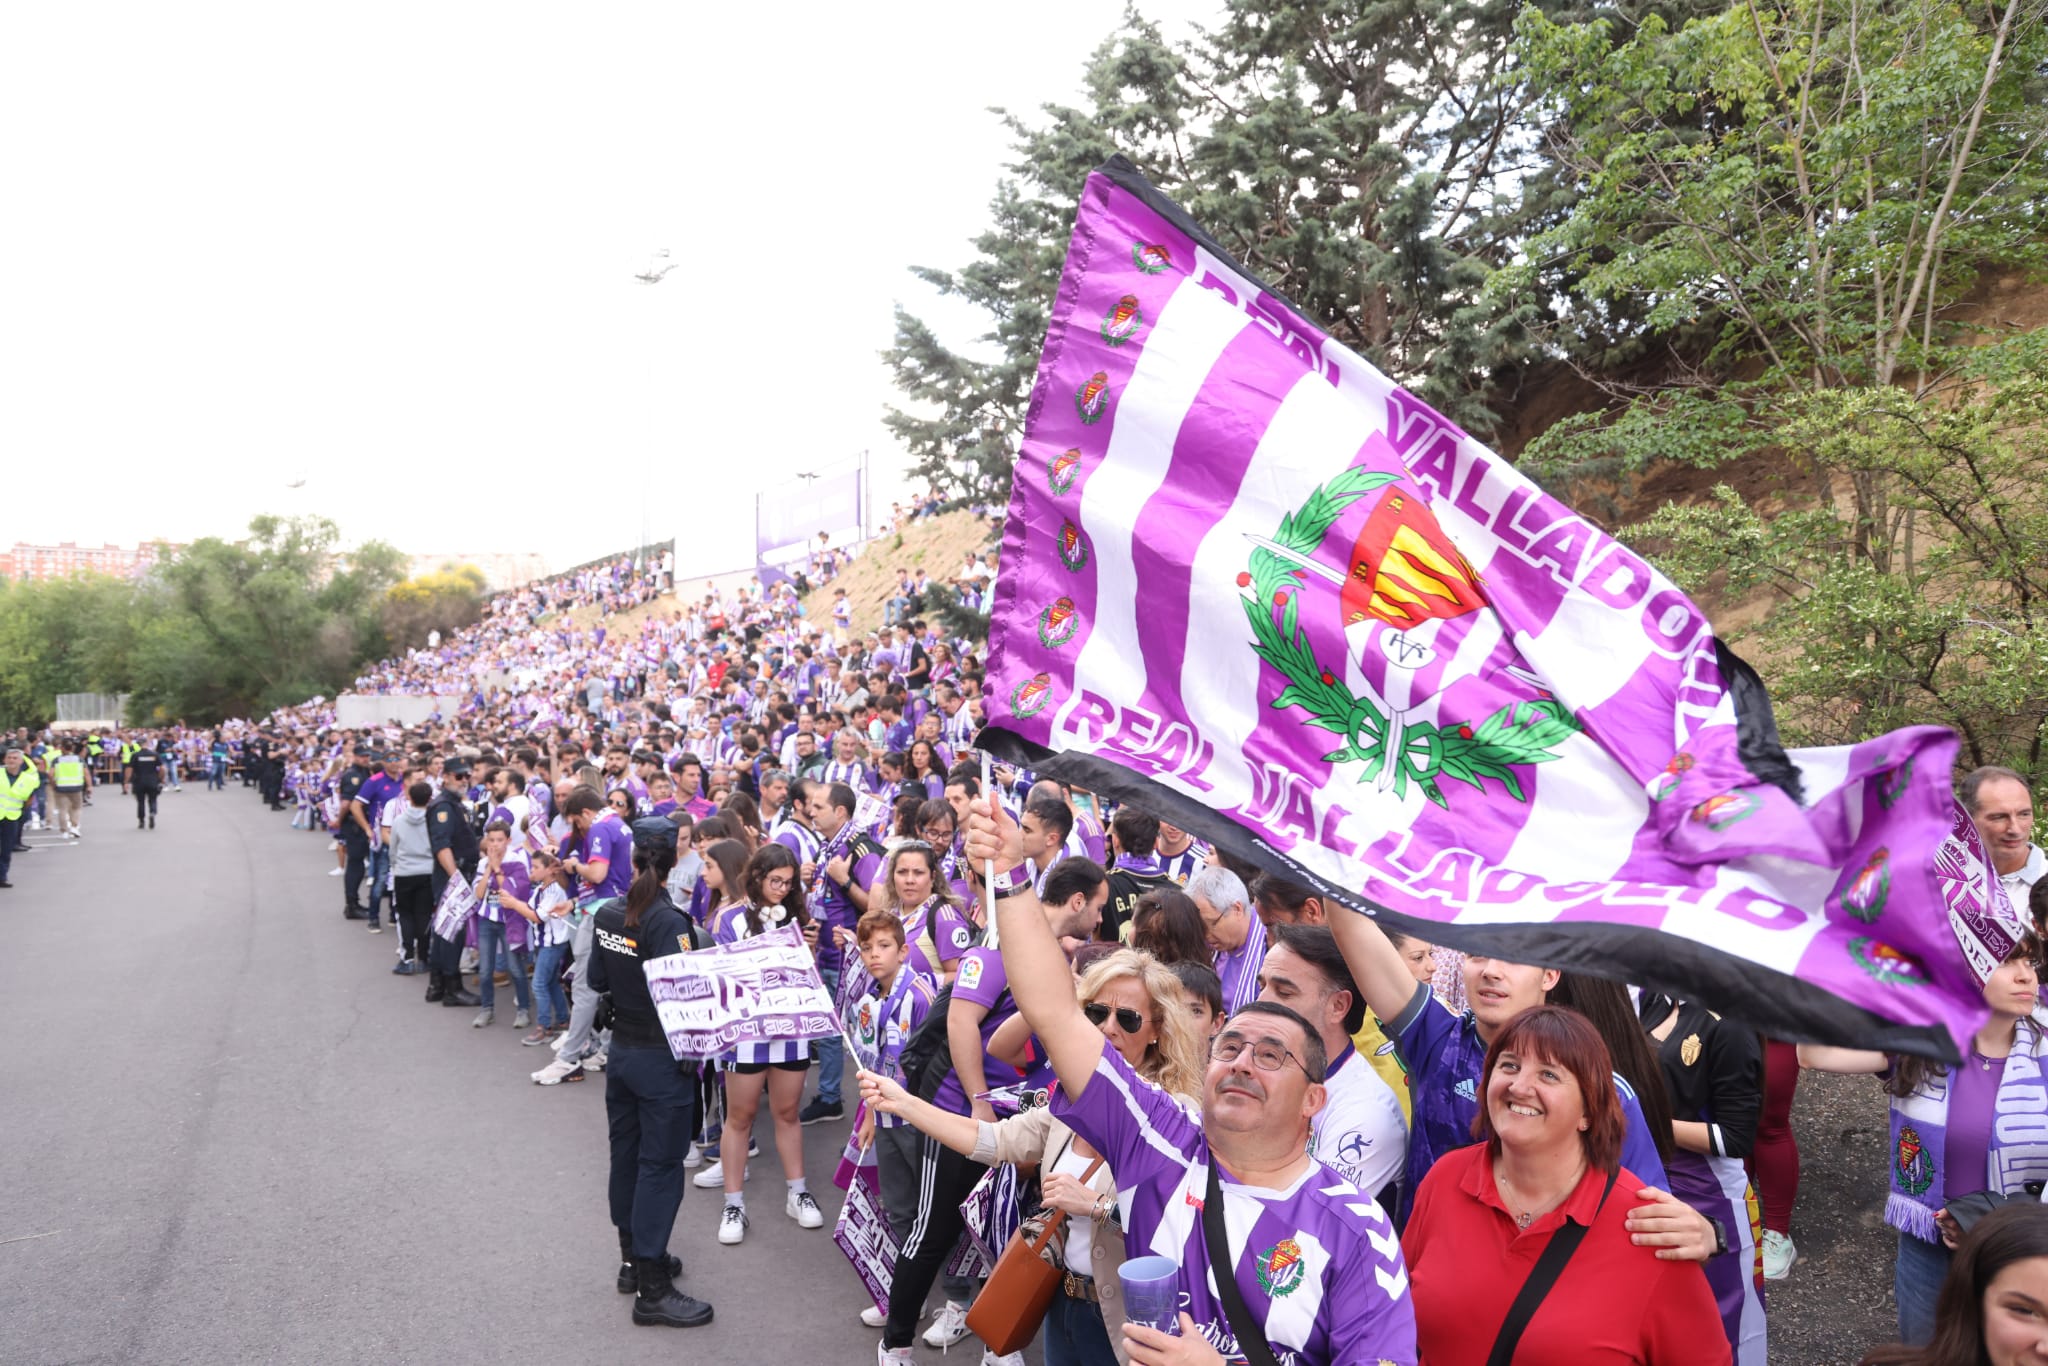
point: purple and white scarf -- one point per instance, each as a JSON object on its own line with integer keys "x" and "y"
{"x": 1918, "y": 1155}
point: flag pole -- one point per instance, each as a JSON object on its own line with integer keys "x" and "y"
{"x": 988, "y": 869}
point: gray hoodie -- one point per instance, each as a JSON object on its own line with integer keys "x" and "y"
{"x": 411, "y": 853}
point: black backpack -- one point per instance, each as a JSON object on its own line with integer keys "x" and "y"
{"x": 927, "y": 1056}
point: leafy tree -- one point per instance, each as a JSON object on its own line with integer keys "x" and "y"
{"x": 1371, "y": 163}
{"x": 445, "y": 600}
{"x": 1798, "y": 203}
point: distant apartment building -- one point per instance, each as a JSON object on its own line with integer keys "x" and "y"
{"x": 61, "y": 561}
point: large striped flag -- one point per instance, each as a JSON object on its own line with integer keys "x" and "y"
{"x": 1250, "y": 585}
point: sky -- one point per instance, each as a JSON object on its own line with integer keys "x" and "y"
{"x": 389, "y": 250}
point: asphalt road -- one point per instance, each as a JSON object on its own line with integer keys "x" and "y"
{"x": 234, "y": 1136}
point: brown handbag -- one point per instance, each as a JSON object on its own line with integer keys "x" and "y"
{"x": 1013, "y": 1301}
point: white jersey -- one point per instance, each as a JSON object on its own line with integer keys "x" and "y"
{"x": 1359, "y": 1132}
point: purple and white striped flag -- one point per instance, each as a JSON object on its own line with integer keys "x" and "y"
{"x": 1252, "y": 586}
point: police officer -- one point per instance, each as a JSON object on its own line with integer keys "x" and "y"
{"x": 650, "y": 1099}
{"x": 142, "y": 772}
{"x": 18, "y": 782}
{"x": 355, "y": 835}
{"x": 453, "y": 840}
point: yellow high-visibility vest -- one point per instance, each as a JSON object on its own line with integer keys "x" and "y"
{"x": 14, "y": 792}
{"x": 68, "y": 771}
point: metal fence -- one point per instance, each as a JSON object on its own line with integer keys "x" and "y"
{"x": 107, "y": 708}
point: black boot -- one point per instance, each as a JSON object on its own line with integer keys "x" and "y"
{"x": 436, "y": 987}
{"x": 627, "y": 1280}
{"x": 659, "y": 1302}
{"x": 456, "y": 995}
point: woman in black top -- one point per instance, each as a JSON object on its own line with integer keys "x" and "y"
{"x": 649, "y": 1099}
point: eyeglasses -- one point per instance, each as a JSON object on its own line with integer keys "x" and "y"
{"x": 1128, "y": 1020}
{"x": 1267, "y": 1054}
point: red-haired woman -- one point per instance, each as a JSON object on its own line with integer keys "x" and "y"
{"x": 1548, "y": 1164}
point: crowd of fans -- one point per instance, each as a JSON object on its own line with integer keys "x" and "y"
{"x": 1162, "y": 1032}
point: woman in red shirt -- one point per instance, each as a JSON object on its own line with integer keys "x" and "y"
{"x": 1551, "y": 1129}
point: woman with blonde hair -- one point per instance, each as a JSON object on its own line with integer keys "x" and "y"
{"x": 1136, "y": 1002}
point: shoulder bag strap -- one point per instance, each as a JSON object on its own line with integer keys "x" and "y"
{"x": 1249, "y": 1332}
{"x": 1542, "y": 1277}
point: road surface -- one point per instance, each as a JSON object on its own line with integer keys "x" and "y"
{"x": 235, "y": 1136}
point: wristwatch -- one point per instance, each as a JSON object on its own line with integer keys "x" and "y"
{"x": 1108, "y": 1211}
{"x": 1720, "y": 1235}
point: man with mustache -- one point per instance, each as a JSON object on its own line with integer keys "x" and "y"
{"x": 1315, "y": 1263}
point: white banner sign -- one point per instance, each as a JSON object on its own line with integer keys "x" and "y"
{"x": 458, "y": 904}
{"x": 760, "y": 990}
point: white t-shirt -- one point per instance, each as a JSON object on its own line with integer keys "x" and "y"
{"x": 1360, "y": 1132}
{"x": 1080, "y": 1227}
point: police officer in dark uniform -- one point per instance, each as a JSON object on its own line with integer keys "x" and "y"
{"x": 142, "y": 772}
{"x": 456, "y": 849}
{"x": 273, "y": 774}
{"x": 649, "y": 1098}
{"x": 354, "y": 834}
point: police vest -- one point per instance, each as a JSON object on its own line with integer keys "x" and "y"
{"x": 69, "y": 772}
{"x": 92, "y": 744}
{"x": 14, "y": 792}
{"x": 128, "y": 752}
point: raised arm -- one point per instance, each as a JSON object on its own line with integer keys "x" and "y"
{"x": 1040, "y": 978}
{"x": 958, "y": 1132}
{"x": 1374, "y": 962}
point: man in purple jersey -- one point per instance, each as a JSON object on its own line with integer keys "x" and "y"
{"x": 836, "y": 883}
{"x": 1317, "y": 1263}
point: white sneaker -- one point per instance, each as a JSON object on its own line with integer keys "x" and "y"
{"x": 334, "y": 872}
{"x": 949, "y": 1325}
{"x": 893, "y": 1356}
{"x": 557, "y": 1072}
{"x": 694, "y": 1157}
{"x": 989, "y": 1358}
{"x": 1779, "y": 1254}
{"x": 713, "y": 1176}
{"x": 874, "y": 1317}
{"x": 802, "y": 1208}
{"x": 595, "y": 1060}
{"x": 732, "y": 1225}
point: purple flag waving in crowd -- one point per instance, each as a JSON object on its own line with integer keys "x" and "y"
{"x": 1252, "y": 586}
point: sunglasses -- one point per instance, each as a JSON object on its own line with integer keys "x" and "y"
{"x": 1128, "y": 1020}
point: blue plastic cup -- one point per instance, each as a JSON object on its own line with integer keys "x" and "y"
{"x": 1152, "y": 1292}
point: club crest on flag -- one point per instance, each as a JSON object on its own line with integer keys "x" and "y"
{"x": 1405, "y": 580}
{"x": 1060, "y": 471}
{"x": 1091, "y": 400}
{"x": 1057, "y": 623}
{"x": 1866, "y": 894}
{"x": 1073, "y": 548}
{"x": 1885, "y": 964}
{"x": 1719, "y": 812}
{"x": 1895, "y": 785}
{"x": 1149, "y": 257}
{"x": 1123, "y": 321}
{"x": 1028, "y": 697}
{"x": 1666, "y": 782}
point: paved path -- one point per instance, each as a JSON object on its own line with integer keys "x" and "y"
{"x": 234, "y": 1136}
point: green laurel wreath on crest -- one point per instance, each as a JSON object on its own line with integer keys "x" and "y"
{"x": 1519, "y": 733}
